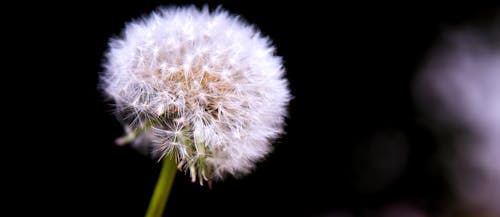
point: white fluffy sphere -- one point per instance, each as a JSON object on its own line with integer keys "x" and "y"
{"x": 204, "y": 87}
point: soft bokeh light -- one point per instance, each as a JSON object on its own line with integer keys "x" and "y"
{"x": 458, "y": 90}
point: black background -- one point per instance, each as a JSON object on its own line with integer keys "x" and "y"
{"x": 350, "y": 69}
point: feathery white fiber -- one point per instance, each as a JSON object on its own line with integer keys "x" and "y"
{"x": 204, "y": 87}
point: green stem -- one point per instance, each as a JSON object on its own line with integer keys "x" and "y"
{"x": 162, "y": 189}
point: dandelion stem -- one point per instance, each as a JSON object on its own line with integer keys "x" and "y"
{"x": 162, "y": 189}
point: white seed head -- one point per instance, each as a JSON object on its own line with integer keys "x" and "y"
{"x": 203, "y": 87}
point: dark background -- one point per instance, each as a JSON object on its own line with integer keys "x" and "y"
{"x": 350, "y": 69}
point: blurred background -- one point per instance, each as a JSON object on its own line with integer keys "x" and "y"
{"x": 394, "y": 115}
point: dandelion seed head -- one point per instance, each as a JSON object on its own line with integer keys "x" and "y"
{"x": 205, "y": 87}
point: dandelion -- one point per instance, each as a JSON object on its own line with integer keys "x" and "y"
{"x": 201, "y": 90}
